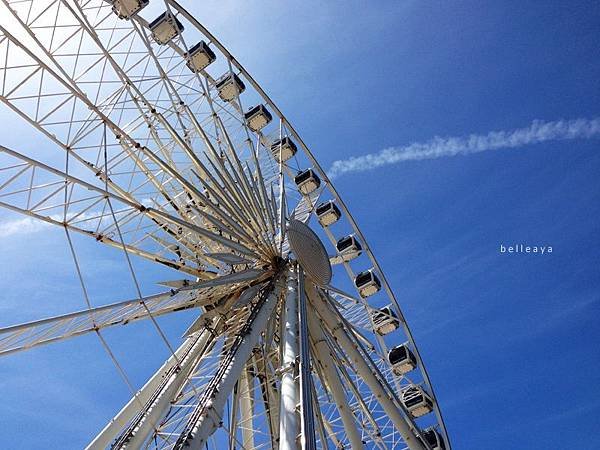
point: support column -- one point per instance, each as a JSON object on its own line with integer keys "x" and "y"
{"x": 270, "y": 396}
{"x": 307, "y": 417}
{"x": 145, "y": 425}
{"x": 332, "y": 380}
{"x": 335, "y": 327}
{"x": 191, "y": 346}
{"x": 289, "y": 425}
{"x": 246, "y": 396}
{"x": 207, "y": 416}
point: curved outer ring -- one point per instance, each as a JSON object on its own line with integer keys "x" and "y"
{"x": 332, "y": 189}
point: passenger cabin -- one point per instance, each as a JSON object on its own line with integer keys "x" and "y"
{"x": 348, "y": 248}
{"x": 125, "y": 9}
{"x": 230, "y": 86}
{"x": 385, "y": 320}
{"x": 199, "y": 57}
{"x": 416, "y": 401}
{"x": 165, "y": 27}
{"x": 433, "y": 439}
{"x": 402, "y": 359}
{"x": 284, "y": 147}
{"x": 367, "y": 283}
{"x": 328, "y": 213}
{"x": 307, "y": 181}
{"x": 258, "y": 117}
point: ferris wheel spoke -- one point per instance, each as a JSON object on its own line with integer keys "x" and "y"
{"x": 36, "y": 189}
{"x": 243, "y": 218}
{"x": 362, "y": 401}
{"x": 222, "y": 129}
{"x": 258, "y": 185}
{"x": 25, "y": 336}
{"x": 242, "y": 177}
{"x": 242, "y": 196}
{"x": 360, "y": 404}
{"x": 359, "y": 318}
{"x": 361, "y": 314}
{"x": 162, "y": 165}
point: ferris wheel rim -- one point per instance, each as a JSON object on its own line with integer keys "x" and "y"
{"x": 330, "y": 187}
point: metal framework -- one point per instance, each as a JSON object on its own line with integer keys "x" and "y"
{"x": 152, "y": 150}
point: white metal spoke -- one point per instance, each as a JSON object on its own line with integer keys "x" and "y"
{"x": 25, "y": 336}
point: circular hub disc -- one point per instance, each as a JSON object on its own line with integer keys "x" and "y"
{"x": 310, "y": 252}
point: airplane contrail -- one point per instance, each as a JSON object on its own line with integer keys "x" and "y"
{"x": 438, "y": 147}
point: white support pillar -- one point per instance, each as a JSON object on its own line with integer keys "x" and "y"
{"x": 289, "y": 423}
{"x": 159, "y": 406}
{"x": 332, "y": 380}
{"x": 270, "y": 398}
{"x": 113, "y": 428}
{"x": 211, "y": 415}
{"x": 307, "y": 413}
{"x": 335, "y": 327}
{"x": 246, "y": 398}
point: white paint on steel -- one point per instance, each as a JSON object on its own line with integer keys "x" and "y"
{"x": 289, "y": 424}
{"x": 149, "y": 419}
{"x": 112, "y": 429}
{"x": 315, "y": 164}
{"x": 332, "y": 381}
{"x": 332, "y": 322}
{"x": 246, "y": 398}
{"x": 211, "y": 419}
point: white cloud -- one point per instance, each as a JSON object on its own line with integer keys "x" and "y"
{"x": 539, "y": 131}
{"x": 21, "y": 226}
{"x": 28, "y": 225}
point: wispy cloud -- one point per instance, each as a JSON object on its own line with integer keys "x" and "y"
{"x": 25, "y": 225}
{"x": 29, "y": 225}
{"x": 438, "y": 147}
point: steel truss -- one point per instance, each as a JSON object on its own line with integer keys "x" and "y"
{"x": 146, "y": 156}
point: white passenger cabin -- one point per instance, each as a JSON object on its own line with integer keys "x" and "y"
{"x": 258, "y": 117}
{"x": 348, "y": 248}
{"x": 284, "y": 147}
{"x": 402, "y": 359}
{"x": 416, "y": 401}
{"x": 230, "y": 86}
{"x": 385, "y": 320}
{"x": 200, "y": 57}
{"x": 165, "y": 27}
{"x": 307, "y": 181}
{"x": 125, "y": 9}
{"x": 367, "y": 283}
{"x": 433, "y": 439}
{"x": 328, "y": 213}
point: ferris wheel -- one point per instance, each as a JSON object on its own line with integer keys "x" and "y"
{"x": 171, "y": 152}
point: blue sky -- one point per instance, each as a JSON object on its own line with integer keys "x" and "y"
{"x": 510, "y": 340}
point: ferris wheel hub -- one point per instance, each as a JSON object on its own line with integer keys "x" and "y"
{"x": 310, "y": 252}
